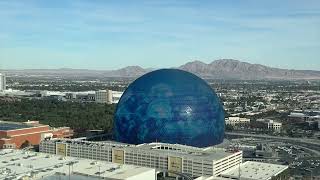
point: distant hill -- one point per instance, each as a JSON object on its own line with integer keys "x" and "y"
{"x": 234, "y": 69}
{"x": 218, "y": 69}
{"x": 130, "y": 71}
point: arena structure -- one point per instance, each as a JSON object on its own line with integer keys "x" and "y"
{"x": 171, "y": 121}
{"x": 169, "y": 106}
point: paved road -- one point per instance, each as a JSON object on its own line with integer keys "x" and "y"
{"x": 312, "y": 150}
{"x": 300, "y": 140}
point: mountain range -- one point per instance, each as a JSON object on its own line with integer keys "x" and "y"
{"x": 234, "y": 69}
{"x": 218, "y": 69}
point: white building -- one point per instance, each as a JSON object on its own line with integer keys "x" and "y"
{"x": 19, "y": 164}
{"x": 108, "y": 96}
{"x": 2, "y": 82}
{"x": 236, "y": 121}
{"x": 271, "y": 124}
{"x": 103, "y": 96}
{"x": 251, "y": 170}
{"x": 163, "y": 157}
{"x": 116, "y": 95}
{"x": 276, "y": 126}
{"x": 11, "y": 92}
{"x": 52, "y": 93}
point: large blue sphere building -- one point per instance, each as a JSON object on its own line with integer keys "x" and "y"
{"x": 170, "y": 106}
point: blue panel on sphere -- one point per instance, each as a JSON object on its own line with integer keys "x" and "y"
{"x": 170, "y": 106}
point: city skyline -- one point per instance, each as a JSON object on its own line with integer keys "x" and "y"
{"x": 158, "y": 34}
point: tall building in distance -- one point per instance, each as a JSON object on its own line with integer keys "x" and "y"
{"x": 107, "y": 96}
{"x": 103, "y": 96}
{"x": 2, "y": 82}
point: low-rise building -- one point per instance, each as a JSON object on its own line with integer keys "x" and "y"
{"x": 189, "y": 160}
{"x": 85, "y": 96}
{"x": 18, "y": 164}
{"x": 271, "y": 124}
{"x": 251, "y": 170}
{"x": 276, "y": 126}
{"x": 20, "y": 135}
{"x": 234, "y": 121}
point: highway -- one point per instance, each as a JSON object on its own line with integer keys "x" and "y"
{"x": 312, "y": 145}
{"x": 300, "y": 140}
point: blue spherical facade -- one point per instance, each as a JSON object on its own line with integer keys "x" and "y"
{"x": 170, "y": 106}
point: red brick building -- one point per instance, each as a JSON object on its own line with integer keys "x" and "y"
{"x": 20, "y": 135}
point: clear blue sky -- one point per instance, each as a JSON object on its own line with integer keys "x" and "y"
{"x": 165, "y": 33}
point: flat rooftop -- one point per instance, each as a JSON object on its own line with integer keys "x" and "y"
{"x": 255, "y": 170}
{"x": 7, "y": 125}
{"x": 19, "y": 163}
{"x": 209, "y": 153}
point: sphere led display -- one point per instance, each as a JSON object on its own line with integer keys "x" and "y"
{"x": 169, "y": 106}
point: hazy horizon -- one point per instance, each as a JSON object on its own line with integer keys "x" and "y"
{"x": 107, "y": 35}
{"x": 101, "y": 69}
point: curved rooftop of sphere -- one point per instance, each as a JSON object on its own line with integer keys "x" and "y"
{"x": 169, "y": 106}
